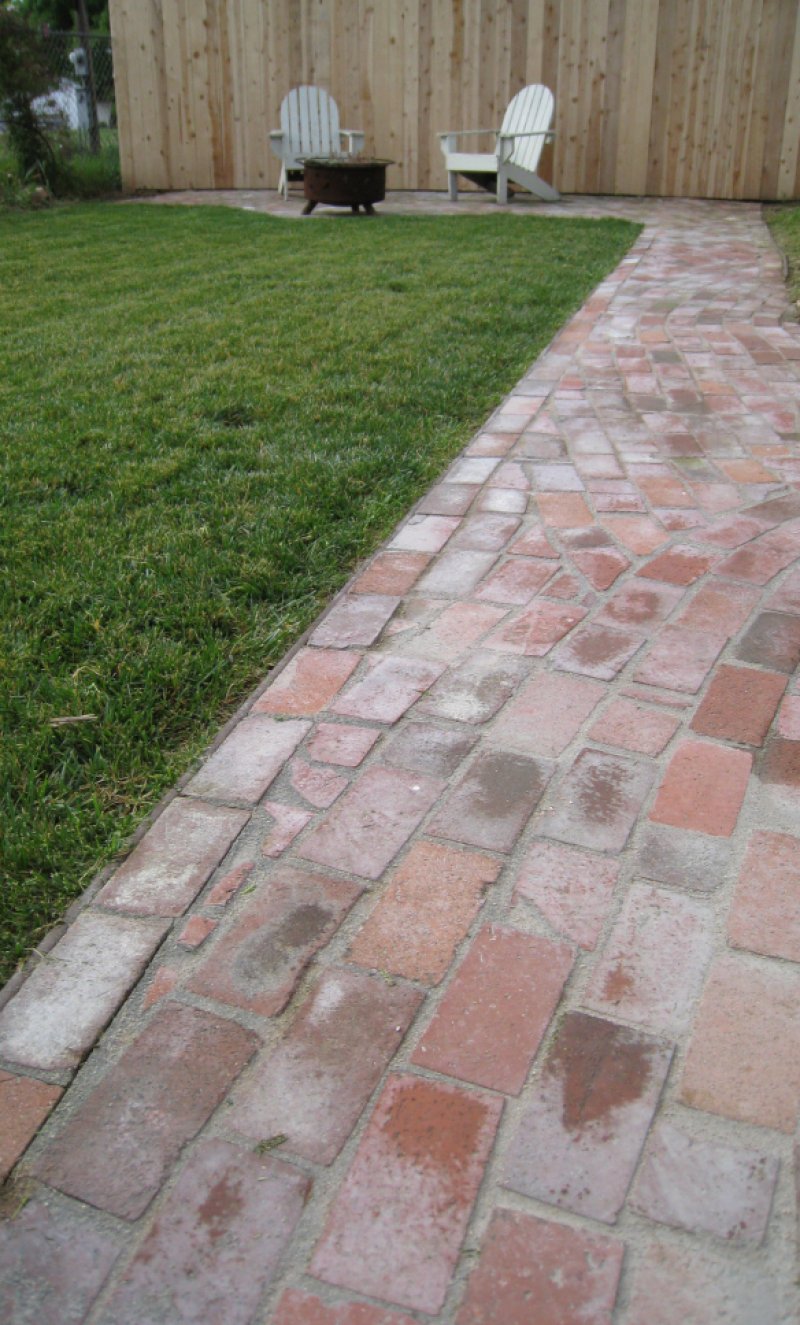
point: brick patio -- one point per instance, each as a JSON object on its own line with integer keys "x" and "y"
{"x": 460, "y": 983}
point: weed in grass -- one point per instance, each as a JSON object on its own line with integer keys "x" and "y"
{"x": 207, "y": 418}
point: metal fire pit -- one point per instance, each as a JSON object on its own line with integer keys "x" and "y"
{"x": 349, "y": 182}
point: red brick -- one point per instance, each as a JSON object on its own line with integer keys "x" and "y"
{"x": 25, "y": 1103}
{"x": 195, "y": 931}
{"x": 120, "y": 1144}
{"x": 654, "y": 961}
{"x": 488, "y": 531}
{"x": 746, "y": 471}
{"x": 571, "y": 888}
{"x": 548, "y": 712}
{"x": 344, "y": 745}
{"x": 739, "y": 704}
{"x": 601, "y": 566}
{"x": 424, "y": 533}
{"x": 705, "y": 1187}
{"x": 564, "y": 586}
{"x": 516, "y": 582}
{"x": 165, "y": 872}
{"x": 249, "y": 759}
{"x": 731, "y": 532}
{"x": 392, "y": 573}
{"x": 598, "y": 802}
{"x": 571, "y": 1276}
{"x": 780, "y": 765}
{"x": 758, "y": 563}
{"x": 597, "y": 650}
{"x": 287, "y": 822}
{"x": 424, "y": 749}
{"x": 372, "y": 821}
{"x": 216, "y": 1242}
{"x": 491, "y": 1020}
{"x": 633, "y": 727}
{"x": 773, "y": 640}
{"x": 563, "y": 510}
{"x": 474, "y": 690}
{"x": 227, "y": 887}
{"x": 319, "y": 786}
{"x": 680, "y": 658}
{"x": 390, "y": 687}
{"x": 355, "y": 621}
{"x": 786, "y": 598}
{"x": 313, "y": 1086}
{"x": 492, "y": 802}
{"x": 535, "y": 631}
{"x": 638, "y": 604}
{"x": 534, "y": 543}
{"x": 396, "y": 1226}
{"x": 425, "y": 912}
{"x": 703, "y": 788}
{"x": 789, "y": 718}
{"x": 678, "y": 565}
{"x": 765, "y": 913}
{"x": 308, "y": 682}
{"x": 48, "y": 1275}
{"x": 718, "y": 607}
{"x": 257, "y": 963}
{"x": 639, "y": 533}
{"x": 579, "y": 1139}
{"x": 744, "y": 1054}
{"x": 296, "y": 1308}
{"x": 162, "y": 983}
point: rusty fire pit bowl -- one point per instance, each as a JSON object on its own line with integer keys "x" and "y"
{"x": 349, "y": 182}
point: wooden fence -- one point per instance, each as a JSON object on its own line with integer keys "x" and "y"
{"x": 695, "y": 98}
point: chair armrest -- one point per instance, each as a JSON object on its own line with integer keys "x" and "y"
{"x": 276, "y": 135}
{"x": 505, "y": 141}
{"x": 463, "y": 133}
{"x": 355, "y": 140}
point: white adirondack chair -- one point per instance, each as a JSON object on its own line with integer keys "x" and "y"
{"x": 518, "y": 146}
{"x": 309, "y": 127}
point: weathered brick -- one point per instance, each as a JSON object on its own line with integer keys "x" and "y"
{"x": 535, "y": 631}
{"x": 257, "y": 963}
{"x": 547, "y": 714}
{"x": 674, "y": 1283}
{"x": 558, "y": 477}
{"x": 571, "y": 888}
{"x": 634, "y": 727}
{"x": 308, "y": 682}
{"x": 639, "y": 604}
{"x": 739, "y": 704}
{"x": 516, "y": 582}
{"x": 216, "y": 1241}
{"x": 705, "y": 1187}
{"x": 765, "y": 912}
{"x": 598, "y": 802}
{"x": 563, "y": 510}
{"x": 597, "y": 650}
{"x": 786, "y": 598}
{"x": 390, "y": 686}
{"x": 789, "y": 718}
{"x": 565, "y": 586}
{"x": 424, "y": 533}
{"x": 703, "y": 788}
{"x": 491, "y": 1020}
{"x": 119, "y": 1146}
{"x": 773, "y": 640}
{"x": 162, "y": 983}
{"x": 679, "y": 565}
{"x": 455, "y": 630}
{"x": 424, "y": 749}
{"x": 579, "y": 1139}
{"x": 758, "y": 563}
{"x": 601, "y": 566}
{"x": 425, "y": 912}
{"x": 313, "y": 1086}
{"x": 681, "y": 658}
{"x": 71, "y": 996}
{"x": 731, "y": 532}
{"x": 504, "y": 501}
{"x": 396, "y": 1227}
{"x": 195, "y": 931}
{"x": 319, "y": 786}
{"x": 249, "y": 759}
{"x": 392, "y": 574}
{"x": 566, "y": 1276}
{"x": 341, "y": 744}
{"x": 684, "y": 860}
{"x": 475, "y": 471}
{"x": 534, "y": 543}
{"x": 165, "y": 872}
{"x": 653, "y": 964}
{"x": 511, "y": 475}
{"x": 286, "y": 822}
{"x": 744, "y": 1054}
{"x": 355, "y": 621}
{"x": 639, "y": 533}
{"x": 296, "y": 1308}
{"x": 718, "y": 607}
{"x": 455, "y": 574}
{"x": 50, "y": 1271}
{"x": 486, "y": 532}
{"x": 473, "y": 691}
{"x": 447, "y": 499}
{"x": 230, "y": 883}
{"x": 25, "y": 1103}
{"x": 368, "y": 826}
{"x": 780, "y": 765}
{"x": 493, "y": 801}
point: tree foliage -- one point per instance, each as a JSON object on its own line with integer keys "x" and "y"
{"x": 61, "y": 14}
{"x": 24, "y": 75}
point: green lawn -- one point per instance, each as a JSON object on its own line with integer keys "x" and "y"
{"x": 784, "y": 223}
{"x": 207, "y": 418}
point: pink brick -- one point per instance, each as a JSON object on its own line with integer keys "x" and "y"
{"x": 319, "y": 786}
{"x": 579, "y": 1139}
{"x": 564, "y": 586}
{"x": 25, "y": 1103}
{"x": 162, "y": 984}
{"x": 639, "y": 604}
{"x": 195, "y": 931}
{"x": 765, "y": 913}
{"x": 447, "y": 499}
{"x": 758, "y": 563}
{"x": 786, "y": 598}
{"x": 563, "y": 510}
{"x": 396, "y": 1227}
{"x": 425, "y": 912}
{"x": 639, "y": 533}
{"x": 653, "y": 964}
{"x": 257, "y": 963}
{"x": 165, "y": 872}
{"x": 287, "y": 822}
{"x": 372, "y": 821}
{"x": 731, "y": 532}
{"x": 475, "y": 471}
{"x": 721, "y": 608}
{"x": 424, "y": 533}
{"x": 296, "y": 1308}
{"x": 217, "y": 1239}
{"x": 344, "y": 745}
{"x": 597, "y": 650}
{"x": 772, "y": 640}
{"x": 227, "y": 887}
{"x": 633, "y": 727}
{"x": 705, "y": 1187}
{"x": 48, "y": 1274}
{"x": 571, "y": 888}
{"x": 486, "y": 532}
{"x": 601, "y": 566}
{"x": 308, "y": 682}
{"x": 389, "y": 688}
{"x": 680, "y": 658}
{"x": 789, "y": 718}
{"x": 119, "y": 1146}
{"x": 547, "y": 714}
{"x": 678, "y": 565}
{"x": 744, "y": 1055}
{"x": 57, "y": 1015}
{"x": 703, "y": 788}
{"x": 534, "y": 543}
{"x": 455, "y": 574}
{"x": 490, "y": 1023}
{"x": 510, "y": 475}
{"x": 249, "y": 759}
{"x": 392, "y": 573}
{"x": 516, "y": 582}
{"x": 427, "y": 749}
{"x": 570, "y": 1275}
{"x": 739, "y": 704}
{"x": 504, "y": 501}
{"x": 355, "y": 621}
{"x": 458, "y": 627}
{"x": 674, "y": 1283}
{"x": 598, "y": 802}
{"x": 313, "y": 1086}
{"x": 492, "y": 802}
{"x": 535, "y": 631}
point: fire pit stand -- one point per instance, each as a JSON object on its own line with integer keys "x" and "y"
{"x": 344, "y": 182}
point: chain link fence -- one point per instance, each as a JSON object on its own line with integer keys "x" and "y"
{"x": 81, "y": 100}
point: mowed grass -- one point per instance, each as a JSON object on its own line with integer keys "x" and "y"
{"x": 784, "y": 222}
{"x": 208, "y": 418}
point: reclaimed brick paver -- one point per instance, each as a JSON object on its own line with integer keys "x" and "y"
{"x": 518, "y": 819}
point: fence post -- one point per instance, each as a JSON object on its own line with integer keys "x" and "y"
{"x": 86, "y": 42}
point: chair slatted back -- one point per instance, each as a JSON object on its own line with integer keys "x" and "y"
{"x": 310, "y": 122}
{"x": 530, "y": 111}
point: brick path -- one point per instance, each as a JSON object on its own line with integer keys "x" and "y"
{"x": 462, "y": 981}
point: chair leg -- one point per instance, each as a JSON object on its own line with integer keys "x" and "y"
{"x": 283, "y": 183}
{"x": 502, "y": 186}
{"x": 452, "y": 182}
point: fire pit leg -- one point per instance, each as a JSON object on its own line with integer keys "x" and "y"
{"x": 369, "y": 209}
{"x": 354, "y": 208}
{"x": 309, "y": 207}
